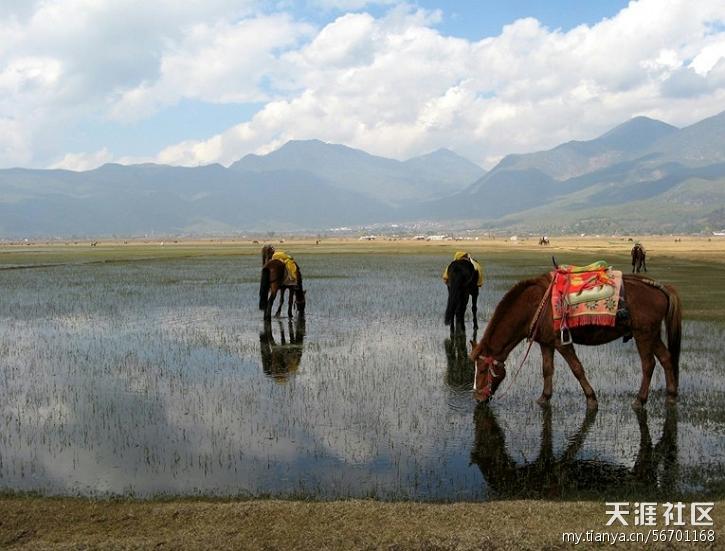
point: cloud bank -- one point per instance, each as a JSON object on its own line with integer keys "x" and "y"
{"x": 391, "y": 84}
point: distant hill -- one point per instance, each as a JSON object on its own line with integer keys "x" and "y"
{"x": 436, "y": 174}
{"x": 626, "y": 141}
{"x": 643, "y": 175}
{"x": 142, "y": 199}
{"x": 699, "y": 144}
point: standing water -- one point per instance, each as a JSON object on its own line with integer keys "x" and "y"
{"x": 159, "y": 377}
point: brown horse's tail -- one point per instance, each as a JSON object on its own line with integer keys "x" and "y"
{"x": 300, "y": 292}
{"x": 673, "y": 324}
{"x": 264, "y": 289}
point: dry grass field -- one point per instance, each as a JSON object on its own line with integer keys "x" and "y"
{"x": 37, "y": 523}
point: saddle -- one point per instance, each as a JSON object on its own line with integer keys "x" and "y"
{"x": 585, "y": 295}
{"x": 290, "y": 268}
{"x": 463, "y": 255}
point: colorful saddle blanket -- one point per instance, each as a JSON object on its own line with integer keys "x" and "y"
{"x": 290, "y": 267}
{"x": 461, "y": 255}
{"x": 586, "y": 295}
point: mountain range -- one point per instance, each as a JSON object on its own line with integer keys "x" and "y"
{"x": 643, "y": 175}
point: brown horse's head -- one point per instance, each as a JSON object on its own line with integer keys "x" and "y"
{"x": 490, "y": 373}
{"x": 267, "y": 252}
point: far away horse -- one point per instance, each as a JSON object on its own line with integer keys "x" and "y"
{"x": 273, "y": 279}
{"x": 639, "y": 257}
{"x": 462, "y": 281}
{"x": 649, "y": 303}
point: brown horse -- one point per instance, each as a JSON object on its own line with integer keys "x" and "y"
{"x": 273, "y": 279}
{"x": 639, "y": 258}
{"x": 649, "y": 304}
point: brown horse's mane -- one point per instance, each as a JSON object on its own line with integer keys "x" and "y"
{"x": 508, "y": 300}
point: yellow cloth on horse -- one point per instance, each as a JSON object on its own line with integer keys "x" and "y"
{"x": 289, "y": 263}
{"x": 463, "y": 255}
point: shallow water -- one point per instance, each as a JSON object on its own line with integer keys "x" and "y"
{"x": 159, "y": 377}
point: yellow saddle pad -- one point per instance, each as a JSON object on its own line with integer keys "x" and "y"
{"x": 460, "y": 255}
{"x": 289, "y": 264}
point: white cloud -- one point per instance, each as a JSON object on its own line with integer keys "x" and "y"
{"x": 84, "y": 161}
{"x": 345, "y": 5}
{"x": 393, "y": 85}
{"x": 220, "y": 63}
{"x": 65, "y": 61}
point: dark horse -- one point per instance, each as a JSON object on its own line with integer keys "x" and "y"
{"x": 649, "y": 303}
{"x": 639, "y": 258}
{"x": 462, "y": 282}
{"x": 273, "y": 276}
{"x": 568, "y": 475}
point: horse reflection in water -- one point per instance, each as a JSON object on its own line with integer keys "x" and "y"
{"x": 280, "y": 360}
{"x": 461, "y": 369}
{"x": 568, "y": 477}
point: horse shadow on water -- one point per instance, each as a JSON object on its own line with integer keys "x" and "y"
{"x": 655, "y": 470}
{"x": 460, "y": 368}
{"x": 280, "y": 360}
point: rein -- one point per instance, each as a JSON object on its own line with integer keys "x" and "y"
{"x": 530, "y": 339}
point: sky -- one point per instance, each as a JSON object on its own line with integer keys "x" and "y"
{"x": 86, "y": 82}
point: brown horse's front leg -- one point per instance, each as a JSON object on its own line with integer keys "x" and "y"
{"x": 577, "y": 369}
{"x": 290, "y": 302}
{"x": 474, "y": 308}
{"x": 547, "y": 356}
{"x": 270, "y": 303}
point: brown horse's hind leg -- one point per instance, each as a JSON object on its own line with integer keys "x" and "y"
{"x": 281, "y": 302}
{"x": 577, "y": 369}
{"x": 547, "y": 356}
{"x": 645, "y": 347}
{"x": 663, "y": 355}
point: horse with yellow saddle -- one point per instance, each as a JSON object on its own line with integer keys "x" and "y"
{"x": 463, "y": 277}
{"x": 280, "y": 271}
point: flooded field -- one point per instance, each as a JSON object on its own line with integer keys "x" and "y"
{"x": 159, "y": 377}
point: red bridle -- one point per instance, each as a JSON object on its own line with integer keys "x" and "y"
{"x": 488, "y": 370}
